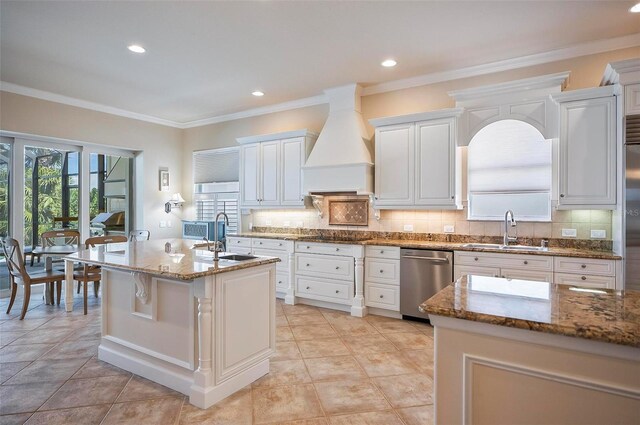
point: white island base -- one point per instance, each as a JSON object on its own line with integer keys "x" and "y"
{"x": 206, "y": 338}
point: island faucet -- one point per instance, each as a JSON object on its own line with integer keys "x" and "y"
{"x": 218, "y": 245}
{"x": 506, "y": 238}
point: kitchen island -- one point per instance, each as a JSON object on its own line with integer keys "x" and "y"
{"x": 171, "y": 315}
{"x": 514, "y": 351}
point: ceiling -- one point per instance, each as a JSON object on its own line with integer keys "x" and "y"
{"x": 205, "y": 58}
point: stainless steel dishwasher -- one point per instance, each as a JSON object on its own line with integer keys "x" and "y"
{"x": 422, "y": 274}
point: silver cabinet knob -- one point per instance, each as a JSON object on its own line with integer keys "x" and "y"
{"x": 337, "y": 291}
{"x": 526, "y": 262}
{"x": 475, "y": 259}
{"x": 308, "y": 264}
{"x": 562, "y": 195}
{"x": 279, "y": 281}
{"x": 308, "y": 247}
{"x": 337, "y": 267}
{"x": 381, "y": 296}
{"x": 584, "y": 266}
{"x": 583, "y": 278}
{"x": 237, "y": 241}
{"x": 280, "y": 244}
{"x": 337, "y": 249}
{"x": 381, "y": 271}
{"x": 308, "y": 287}
{"x": 260, "y": 243}
{"x": 381, "y": 252}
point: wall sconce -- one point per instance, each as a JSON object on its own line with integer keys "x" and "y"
{"x": 176, "y": 201}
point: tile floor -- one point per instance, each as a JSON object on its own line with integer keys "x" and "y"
{"x": 329, "y": 369}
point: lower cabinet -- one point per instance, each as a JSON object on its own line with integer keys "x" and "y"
{"x": 382, "y": 277}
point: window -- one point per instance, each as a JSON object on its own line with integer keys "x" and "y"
{"x": 509, "y": 168}
{"x": 207, "y": 209}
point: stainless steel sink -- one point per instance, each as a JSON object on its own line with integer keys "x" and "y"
{"x": 505, "y": 247}
{"x": 237, "y": 257}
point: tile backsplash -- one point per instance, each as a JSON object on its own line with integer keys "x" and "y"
{"x": 583, "y": 221}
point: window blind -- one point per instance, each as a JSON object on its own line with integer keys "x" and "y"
{"x": 215, "y": 166}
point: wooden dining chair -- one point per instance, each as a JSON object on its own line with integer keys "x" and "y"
{"x": 57, "y": 237}
{"x": 18, "y": 275}
{"x": 90, "y": 272}
{"x": 139, "y": 235}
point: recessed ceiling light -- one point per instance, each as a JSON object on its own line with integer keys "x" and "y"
{"x": 135, "y": 48}
{"x": 257, "y": 93}
{"x": 635, "y": 8}
{"x": 389, "y": 63}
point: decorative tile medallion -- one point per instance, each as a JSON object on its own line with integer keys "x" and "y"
{"x": 351, "y": 212}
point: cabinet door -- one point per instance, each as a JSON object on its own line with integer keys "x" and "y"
{"x": 632, "y": 99}
{"x": 292, "y": 151}
{"x": 394, "y": 165}
{"x": 587, "y": 166}
{"x": 435, "y": 163}
{"x": 270, "y": 166}
{"x": 249, "y": 175}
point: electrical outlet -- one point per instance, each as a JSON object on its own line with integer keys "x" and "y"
{"x": 268, "y": 222}
{"x": 449, "y": 228}
{"x": 569, "y": 233}
{"x": 169, "y": 223}
{"x": 163, "y": 223}
{"x": 408, "y": 227}
{"x": 598, "y": 234}
{"x": 286, "y": 224}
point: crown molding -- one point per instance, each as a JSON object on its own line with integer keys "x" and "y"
{"x": 276, "y": 136}
{"x": 583, "y": 49}
{"x": 420, "y": 116}
{"x": 617, "y": 72}
{"x": 84, "y": 104}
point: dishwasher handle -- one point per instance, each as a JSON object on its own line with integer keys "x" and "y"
{"x": 431, "y": 259}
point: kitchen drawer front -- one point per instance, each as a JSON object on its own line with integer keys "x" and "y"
{"x": 233, "y": 243}
{"x": 587, "y": 266}
{"x": 510, "y": 261}
{"x": 275, "y": 244}
{"x": 382, "y": 296}
{"x": 459, "y": 271}
{"x": 325, "y": 248}
{"x": 330, "y": 266}
{"x": 527, "y": 275}
{"x": 282, "y": 282}
{"x": 390, "y": 252}
{"x": 283, "y": 265}
{"x": 382, "y": 271}
{"x": 586, "y": 281}
{"x": 324, "y": 289}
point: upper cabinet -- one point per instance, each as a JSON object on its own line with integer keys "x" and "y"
{"x": 417, "y": 161}
{"x": 271, "y": 169}
{"x": 587, "y": 148}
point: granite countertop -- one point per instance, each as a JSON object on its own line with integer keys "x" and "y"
{"x": 409, "y": 243}
{"x": 600, "y": 315}
{"x": 175, "y": 258}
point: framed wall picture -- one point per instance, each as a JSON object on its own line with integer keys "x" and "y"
{"x": 164, "y": 180}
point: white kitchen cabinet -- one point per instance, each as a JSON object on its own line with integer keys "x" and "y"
{"x": 632, "y": 99}
{"x": 417, "y": 161}
{"x": 587, "y": 149}
{"x": 270, "y": 174}
{"x": 382, "y": 277}
{"x": 293, "y": 157}
{"x": 250, "y": 175}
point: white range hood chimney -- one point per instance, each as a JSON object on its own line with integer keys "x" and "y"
{"x": 340, "y": 161}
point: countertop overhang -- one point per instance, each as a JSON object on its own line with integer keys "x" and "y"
{"x": 174, "y": 258}
{"x": 600, "y": 315}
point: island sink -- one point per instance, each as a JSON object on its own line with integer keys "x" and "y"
{"x": 505, "y": 247}
{"x": 237, "y": 257}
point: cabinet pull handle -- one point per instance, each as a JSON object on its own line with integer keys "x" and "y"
{"x": 381, "y": 252}
{"x": 381, "y": 296}
{"x": 307, "y": 264}
{"x": 381, "y": 271}
{"x": 337, "y": 249}
{"x": 337, "y": 267}
{"x": 308, "y": 247}
{"x": 526, "y": 262}
{"x": 337, "y": 291}
{"x": 583, "y": 278}
{"x": 260, "y": 243}
{"x": 280, "y": 244}
{"x": 584, "y": 266}
{"x": 308, "y": 287}
{"x": 475, "y": 259}
{"x": 237, "y": 241}
{"x": 279, "y": 281}
{"x": 562, "y": 195}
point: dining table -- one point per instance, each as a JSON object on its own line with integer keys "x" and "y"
{"x": 50, "y": 253}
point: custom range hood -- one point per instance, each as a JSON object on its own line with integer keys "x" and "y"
{"x": 340, "y": 162}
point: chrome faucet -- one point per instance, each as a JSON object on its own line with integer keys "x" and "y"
{"x": 218, "y": 245}
{"x": 506, "y": 238}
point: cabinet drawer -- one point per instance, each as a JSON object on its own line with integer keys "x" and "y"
{"x": 511, "y": 261}
{"x": 325, "y": 266}
{"x": 585, "y": 266}
{"x": 459, "y": 271}
{"x": 238, "y": 242}
{"x": 382, "y": 296}
{"x": 282, "y": 282}
{"x": 390, "y": 252}
{"x": 538, "y": 276}
{"x": 587, "y": 281}
{"x": 324, "y": 248}
{"x": 324, "y": 289}
{"x": 383, "y": 271}
{"x": 276, "y": 244}
{"x": 283, "y": 265}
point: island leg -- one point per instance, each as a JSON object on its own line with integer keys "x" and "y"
{"x": 203, "y": 376}
{"x": 68, "y": 285}
{"x": 290, "y": 297}
{"x": 358, "y": 308}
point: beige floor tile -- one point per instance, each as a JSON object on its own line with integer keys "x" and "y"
{"x": 350, "y": 397}
{"x": 91, "y": 415}
{"x": 7, "y": 337}
{"x": 139, "y": 388}
{"x": 387, "y": 417}
{"x": 340, "y": 368}
{"x": 360, "y": 327}
{"x": 283, "y": 333}
{"x": 233, "y": 410}
{"x": 285, "y": 404}
{"x": 286, "y": 372}
{"x": 316, "y": 421}
{"x": 46, "y": 371}
{"x": 85, "y": 348}
{"x": 422, "y": 415}
{"x": 287, "y": 350}
{"x": 385, "y": 364}
{"x": 422, "y": 359}
{"x": 386, "y": 325}
{"x": 43, "y": 336}
{"x": 22, "y": 325}
{"x": 425, "y": 328}
{"x": 334, "y": 315}
{"x": 313, "y": 331}
{"x": 17, "y": 419}
{"x": 90, "y": 332}
{"x": 7, "y": 370}
{"x": 410, "y": 340}
{"x": 306, "y": 319}
{"x": 281, "y": 321}
{"x": 322, "y": 347}
{"x": 23, "y": 353}
{"x": 70, "y": 322}
{"x": 406, "y": 390}
{"x": 159, "y": 411}
{"x": 26, "y": 397}
{"x": 87, "y": 392}
{"x": 364, "y": 344}
{"x": 95, "y": 368}
{"x": 298, "y": 309}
